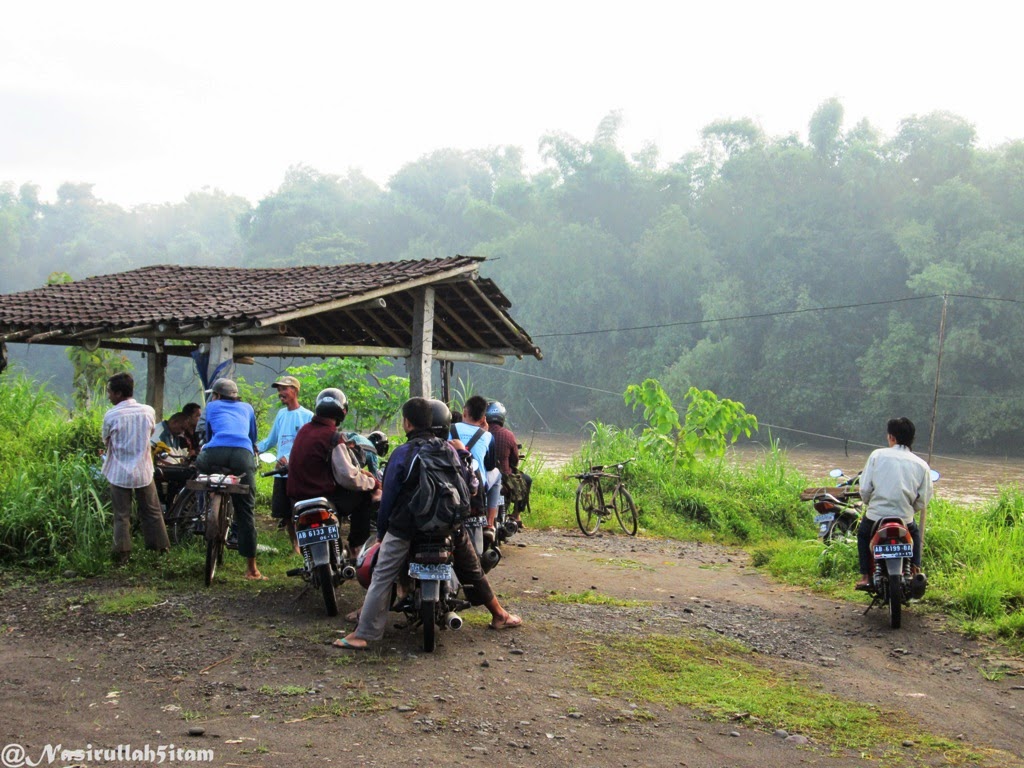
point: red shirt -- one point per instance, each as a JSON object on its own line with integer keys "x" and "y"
{"x": 506, "y": 448}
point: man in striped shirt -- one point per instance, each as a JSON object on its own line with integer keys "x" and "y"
{"x": 128, "y": 467}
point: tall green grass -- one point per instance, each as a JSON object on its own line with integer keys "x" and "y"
{"x": 53, "y": 513}
{"x": 713, "y": 500}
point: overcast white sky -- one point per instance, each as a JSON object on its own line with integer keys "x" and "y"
{"x": 150, "y": 101}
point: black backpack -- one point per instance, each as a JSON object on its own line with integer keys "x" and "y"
{"x": 439, "y": 498}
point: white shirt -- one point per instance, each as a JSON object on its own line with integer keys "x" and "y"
{"x": 895, "y": 483}
{"x": 126, "y": 431}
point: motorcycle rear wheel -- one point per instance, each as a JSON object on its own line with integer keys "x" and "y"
{"x": 427, "y": 610}
{"x": 895, "y": 601}
{"x": 841, "y": 529}
{"x": 325, "y": 575}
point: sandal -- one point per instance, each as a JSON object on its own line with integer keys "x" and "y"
{"x": 341, "y": 642}
{"x": 511, "y": 621}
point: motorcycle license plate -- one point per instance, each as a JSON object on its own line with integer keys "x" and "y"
{"x": 889, "y": 551}
{"x": 478, "y": 521}
{"x": 314, "y": 535}
{"x": 431, "y": 572}
{"x": 828, "y": 517}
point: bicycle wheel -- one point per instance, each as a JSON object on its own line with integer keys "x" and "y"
{"x": 589, "y": 505}
{"x": 625, "y": 510}
{"x": 180, "y": 520}
{"x": 215, "y": 529}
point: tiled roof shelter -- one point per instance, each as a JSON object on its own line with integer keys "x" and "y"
{"x": 421, "y": 310}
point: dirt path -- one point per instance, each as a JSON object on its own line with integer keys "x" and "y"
{"x": 255, "y": 672}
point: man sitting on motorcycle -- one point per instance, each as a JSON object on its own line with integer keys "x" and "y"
{"x": 321, "y": 464}
{"x": 395, "y": 532}
{"x": 506, "y": 453}
{"x": 895, "y": 483}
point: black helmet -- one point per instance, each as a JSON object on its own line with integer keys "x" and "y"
{"x": 496, "y": 413}
{"x": 331, "y": 404}
{"x": 441, "y": 418}
{"x": 380, "y": 443}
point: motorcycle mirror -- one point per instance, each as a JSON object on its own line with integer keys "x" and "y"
{"x": 268, "y": 457}
{"x": 935, "y": 475}
{"x": 836, "y": 473}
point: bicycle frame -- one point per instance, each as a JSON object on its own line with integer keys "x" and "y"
{"x": 591, "y": 505}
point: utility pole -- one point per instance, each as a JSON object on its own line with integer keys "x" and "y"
{"x": 935, "y": 397}
{"x": 938, "y": 368}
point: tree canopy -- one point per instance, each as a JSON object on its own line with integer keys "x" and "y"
{"x": 803, "y": 277}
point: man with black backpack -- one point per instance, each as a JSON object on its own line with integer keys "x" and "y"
{"x": 398, "y": 523}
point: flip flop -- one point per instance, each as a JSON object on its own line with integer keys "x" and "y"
{"x": 354, "y": 616}
{"x": 261, "y": 577}
{"x": 511, "y": 621}
{"x": 341, "y": 642}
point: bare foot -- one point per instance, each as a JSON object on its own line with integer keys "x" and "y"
{"x": 255, "y": 576}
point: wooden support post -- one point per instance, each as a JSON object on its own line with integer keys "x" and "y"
{"x": 447, "y": 368}
{"x": 222, "y": 349}
{"x": 422, "y": 347}
{"x": 156, "y": 374}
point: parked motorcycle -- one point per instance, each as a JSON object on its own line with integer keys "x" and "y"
{"x": 837, "y": 509}
{"x": 430, "y": 590}
{"x": 326, "y": 561}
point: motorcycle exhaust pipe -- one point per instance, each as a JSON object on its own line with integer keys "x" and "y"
{"x": 348, "y": 572}
{"x": 452, "y": 620}
{"x": 490, "y": 558}
{"x": 918, "y": 585}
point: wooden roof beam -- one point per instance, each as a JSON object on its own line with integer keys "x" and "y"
{"x": 362, "y": 298}
{"x": 459, "y": 319}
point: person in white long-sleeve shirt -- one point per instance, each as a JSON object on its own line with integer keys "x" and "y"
{"x": 895, "y": 483}
{"x": 128, "y": 467}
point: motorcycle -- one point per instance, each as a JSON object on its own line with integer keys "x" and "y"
{"x": 326, "y": 560}
{"x": 430, "y": 590}
{"x": 838, "y": 509}
{"x": 490, "y": 555}
{"x": 893, "y": 582}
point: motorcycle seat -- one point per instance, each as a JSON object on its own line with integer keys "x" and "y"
{"x": 320, "y": 502}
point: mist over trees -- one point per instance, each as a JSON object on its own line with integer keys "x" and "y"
{"x": 711, "y": 270}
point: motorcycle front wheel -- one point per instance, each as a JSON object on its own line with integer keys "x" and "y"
{"x": 895, "y": 601}
{"x": 427, "y": 610}
{"x": 325, "y": 575}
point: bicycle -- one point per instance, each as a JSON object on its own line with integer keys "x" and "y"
{"x": 214, "y": 499}
{"x": 591, "y": 508}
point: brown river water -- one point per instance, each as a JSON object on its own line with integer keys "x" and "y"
{"x": 967, "y": 479}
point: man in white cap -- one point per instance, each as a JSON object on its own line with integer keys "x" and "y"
{"x": 287, "y": 423}
{"x": 231, "y": 443}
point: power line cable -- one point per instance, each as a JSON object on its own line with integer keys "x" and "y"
{"x": 780, "y": 313}
{"x": 739, "y": 317}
